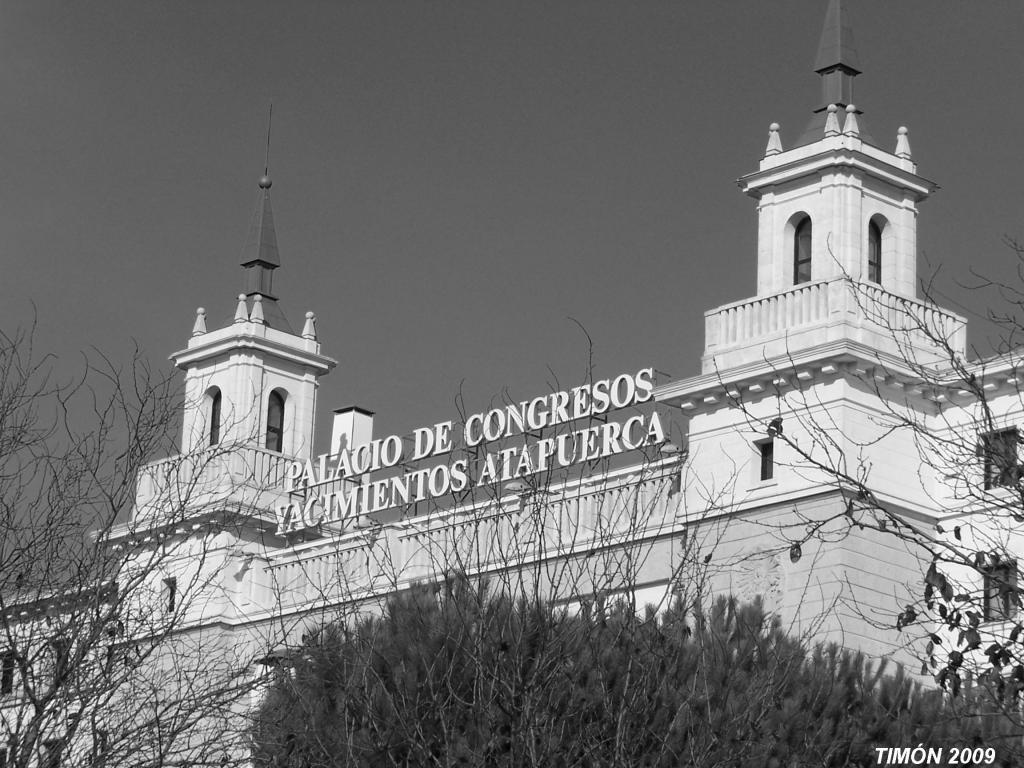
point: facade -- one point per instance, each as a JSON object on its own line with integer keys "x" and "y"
{"x": 838, "y": 438}
{"x": 805, "y": 479}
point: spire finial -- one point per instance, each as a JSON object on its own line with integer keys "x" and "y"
{"x": 200, "y": 325}
{"x": 241, "y": 311}
{"x": 265, "y": 182}
{"x": 903, "y": 143}
{"x": 850, "y": 127}
{"x": 774, "y": 141}
{"x": 832, "y": 121}
{"x": 309, "y": 329}
{"x": 257, "y": 310}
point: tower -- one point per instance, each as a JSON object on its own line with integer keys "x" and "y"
{"x": 253, "y": 382}
{"x": 203, "y": 517}
{"x": 837, "y": 238}
{"x": 813, "y": 371}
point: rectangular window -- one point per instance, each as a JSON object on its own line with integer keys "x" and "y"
{"x": 802, "y": 271}
{"x": 8, "y": 666}
{"x": 802, "y": 252}
{"x": 171, "y": 590}
{"x": 999, "y": 454}
{"x": 215, "y": 418}
{"x": 766, "y": 453}
{"x": 100, "y": 746}
{"x": 114, "y": 651}
{"x": 874, "y": 253}
{"x": 51, "y": 753}
{"x": 874, "y": 270}
{"x": 1000, "y": 585}
{"x": 61, "y": 650}
{"x": 113, "y": 655}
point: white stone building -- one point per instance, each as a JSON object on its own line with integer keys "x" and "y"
{"x": 832, "y": 447}
{"x": 805, "y": 434}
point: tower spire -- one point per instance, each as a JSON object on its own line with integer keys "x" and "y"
{"x": 837, "y": 64}
{"x": 270, "y": 120}
{"x": 837, "y": 61}
{"x": 259, "y": 256}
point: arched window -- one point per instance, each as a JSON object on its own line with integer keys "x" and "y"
{"x": 874, "y": 252}
{"x": 802, "y": 252}
{"x": 275, "y": 422}
{"x": 214, "y": 416}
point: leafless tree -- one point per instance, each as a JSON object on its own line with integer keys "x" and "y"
{"x": 101, "y": 660}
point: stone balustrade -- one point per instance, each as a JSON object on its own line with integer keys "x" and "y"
{"x": 242, "y": 474}
{"x": 829, "y": 310}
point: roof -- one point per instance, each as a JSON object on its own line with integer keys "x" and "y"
{"x": 837, "y": 47}
{"x": 261, "y": 244}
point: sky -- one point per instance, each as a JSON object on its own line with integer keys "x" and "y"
{"x": 461, "y": 187}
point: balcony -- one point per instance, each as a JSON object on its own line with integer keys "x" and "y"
{"x": 237, "y": 477}
{"x": 812, "y": 314}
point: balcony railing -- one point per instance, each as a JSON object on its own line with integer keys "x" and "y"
{"x": 830, "y": 310}
{"x": 243, "y": 474}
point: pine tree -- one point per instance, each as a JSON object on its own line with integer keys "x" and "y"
{"x": 460, "y": 677}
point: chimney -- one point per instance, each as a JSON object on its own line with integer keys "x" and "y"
{"x": 352, "y": 427}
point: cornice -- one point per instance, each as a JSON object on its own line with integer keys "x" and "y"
{"x": 249, "y": 337}
{"x": 849, "y": 359}
{"x": 840, "y": 157}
